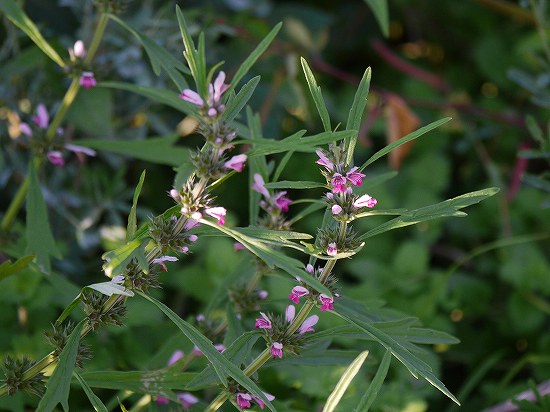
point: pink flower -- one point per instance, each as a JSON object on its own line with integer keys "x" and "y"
{"x": 281, "y": 201}
{"x": 309, "y": 268}
{"x": 41, "y": 119}
{"x": 163, "y": 259}
{"x": 297, "y": 293}
{"x": 56, "y": 158}
{"x": 327, "y": 302}
{"x": 175, "y": 194}
{"x": 196, "y": 351}
{"x": 289, "y": 313}
{"x": 243, "y": 400}
{"x": 78, "y": 49}
{"x": 355, "y": 177}
{"x": 238, "y": 246}
{"x": 216, "y": 89}
{"x": 176, "y": 356}
{"x": 217, "y": 213}
{"x": 338, "y": 183}
{"x": 187, "y": 400}
{"x": 259, "y": 185}
{"x": 200, "y": 318}
{"x": 365, "y": 201}
{"x": 308, "y": 324}
{"x": 220, "y": 347}
{"x": 263, "y": 294}
{"x": 263, "y": 322}
{"x": 277, "y": 350}
{"x": 192, "y": 97}
{"x": 331, "y": 249}
{"x": 25, "y": 129}
{"x": 80, "y": 149}
{"x": 236, "y": 162}
{"x": 87, "y": 80}
{"x": 162, "y": 400}
{"x": 323, "y": 160}
{"x": 193, "y": 238}
{"x": 190, "y": 223}
{"x": 336, "y": 209}
{"x": 261, "y": 403}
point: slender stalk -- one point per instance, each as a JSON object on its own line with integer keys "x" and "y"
{"x": 15, "y": 205}
{"x": 67, "y": 101}
{"x": 96, "y": 40}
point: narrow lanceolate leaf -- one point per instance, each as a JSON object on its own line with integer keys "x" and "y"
{"x": 448, "y": 208}
{"x": 356, "y": 113}
{"x": 251, "y": 59}
{"x": 57, "y": 388}
{"x": 380, "y": 10}
{"x": 223, "y": 367}
{"x": 372, "y": 392}
{"x": 344, "y": 382}
{"x": 315, "y": 91}
{"x": 8, "y": 268}
{"x": 116, "y": 260}
{"x": 40, "y": 241}
{"x": 110, "y": 288}
{"x": 94, "y": 400}
{"x": 132, "y": 218}
{"x": 414, "y": 135}
{"x": 236, "y": 104}
{"x": 256, "y": 164}
{"x": 18, "y": 17}
{"x": 191, "y": 55}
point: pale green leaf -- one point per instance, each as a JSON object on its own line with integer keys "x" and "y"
{"x": 236, "y": 103}
{"x": 110, "y": 288}
{"x": 356, "y": 113}
{"x": 372, "y": 392}
{"x": 132, "y": 218}
{"x": 192, "y": 55}
{"x": 8, "y": 268}
{"x": 94, "y": 400}
{"x": 315, "y": 91}
{"x": 256, "y": 164}
{"x": 380, "y": 10}
{"x": 116, "y": 260}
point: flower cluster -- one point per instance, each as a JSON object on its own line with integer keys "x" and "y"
{"x": 325, "y": 302}
{"x": 274, "y": 205}
{"x": 186, "y": 399}
{"x": 245, "y": 300}
{"x": 194, "y": 205}
{"x": 244, "y": 400}
{"x": 77, "y": 55}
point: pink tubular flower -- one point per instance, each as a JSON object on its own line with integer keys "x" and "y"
{"x": 281, "y": 201}
{"x": 289, "y": 313}
{"x": 243, "y": 400}
{"x": 196, "y": 351}
{"x": 263, "y": 322}
{"x": 236, "y": 163}
{"x": 25, "y": 129}
{"x": 193, "y": 238}
{"x": 323, "y": 160}
{"x": 56, "y": 158}
{"x": 277, "y": 350}
{"x": 217, "y": 213}
{"x": 336, "y": 209}
{"x": 192, "y": 97}
{"x": 161, "y": 400}
{"x": 163, "y": 259}
{"x": 338, "y": 183}
{"x": 238, "y": 246}
{"x": 263, "y": 294}
{"x": 355, "y": 177}
{"x": 78, "y": 49}
{"x": 87, "y": 80}
{"x": 80, "y": 149}
{"x": 297, "y": 293}
{"x": 261, "y": 403}
{"x": 220, "y": 347}
{"x": 216, "y": 89}
{"x": 259, "y": 185}
{"x": 308, "y": 324}
{"x": 365, "y": 201}
{"x": 41, "y": 118}
{"x": 187, "y": 400}
{"x": 176, "y": 356}
{"x": 309, "y": 268}
{"x": 331, "y": 249}
{"x": 327, "y": 302}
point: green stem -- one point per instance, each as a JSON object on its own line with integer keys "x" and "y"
{"x": 68, "y": 99}
{"x": 15, "y": 205}
{"x": 96, "y": 40}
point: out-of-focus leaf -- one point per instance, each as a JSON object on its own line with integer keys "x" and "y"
{"x": 372, "y": 392}
{"x": 94, "y": 400}
{"x": 116, "y": 260}
{"x": 356, "y": 113}
{"x": 18, "y": 17}
{"x": 224, "y": 368}
{"x": 287, "y": 184}
{"x": 92, "y": 111}
{"x": 380, "y": 10}
{"x": 158, "y": 56}
{"x": 344, "y": 382}
{"x": 256, "y": 164}
{"x": 315, "y": 91}
{"x": 40, "y": 241}
{"x": 236, "y": 104}
{"x": 132, "y": 219}
{"x": 8, "y": 268}
{"x": 537, "y": 181}
{"x": 57, "y": 387}
{"x": 26, "y": 61}
{"x": 110, "y": 288}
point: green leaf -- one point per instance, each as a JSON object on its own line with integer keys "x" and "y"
{"x": 534, "y": 129}
{"x": 8, "y": 269}
{"x": 537, "y": 182}
{"x": 344, "y": 382}
{"x": 447, "y": 208}
{"x": 314, "y": 207}
{"x": 372, "y": 392}
{"x": 315, "y": 91}
{"x": 287, "y": 184}
{"x": 256, "y": 164}
{"x": 26, "y": 61}
{"x": 118, "y": 259}
{"x": 251, "y": 59}
{"x": 158, "y": 56}
{"x": 282, "y": 164}
{"x": 18, "y": 17}
{"x": 194, "y": 59}
{"x": 92, "y": 112}
{"x": 417, "y": 367}
{"x": 295, "y": 142}
{"x": 380, "y": 10}
{"x": 356, "y": 113}
{"x": 132, "y": 219}
{"x": 94, "y": 400}
{"x": 219, "y": 362}
{"x": 110, "y": 288}
{"x": 414, "y": 135}
{"x": 68, "y": 310}
{"x": 40, "y": 241}
{"x": 236, "y": 104}
{"x": 59, "y": 384}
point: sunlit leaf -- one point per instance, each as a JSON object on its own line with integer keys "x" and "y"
{"x": 315, "y": 91}
{"x": 132, "y": 218}
{"x": 372, "y": 392}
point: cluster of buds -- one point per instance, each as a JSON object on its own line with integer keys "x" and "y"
{"x": 244, "y": 300}
{"x": 76, "y": 69}
{"x": 36, "y": 133}
{"x": 98, "y": 314}
{"x": 194, "y": 205}
{"x": 211, "y": 330}
{"x": 274, "y": 206}
{"x": 332, "y": 243}
{"x": 166, "y": 235}
{"x": 186, "y": 399}
{"x": 244, "y": 400}
{"x": 14, "y": 369}
{"x": 212, "y": 106}
{"x": 323, "y": 301}
{"x": 343, "y": 203}
{"x": 58, "y": 338}
{"x": 275, "y": 328}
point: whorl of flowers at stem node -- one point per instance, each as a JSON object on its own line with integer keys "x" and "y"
{"x": 14, "y": 369}
{"x": 58, "y": 338}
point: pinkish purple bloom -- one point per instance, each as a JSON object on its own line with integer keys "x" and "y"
{"x": 161, "y": 400}
{"x": 277, "y": 350}
{"x": 338, "y": 183}
{"x": 263, "y": 322}
{"x": 213, "y": 104}
{"x": 281, "y": 201}
{"x": 216, "y": 89}
{"x": 238, "y": 246}
{"x": 336, "y": 209}
{"x": 200, "y": 318}
{"x": 175, "y": 194}
{"x": 25, "y": 129}
{"x": 56, "y": 158}
{"x": 176, "y": 356}
{"x": 196, "y": 351}
{"x": 187, "y": 400}
{"x": 119, "y": 280}
{"x": 220, "y": 347}
{"x": 236, "y": 162}
{"x": 78, "y": 49}
{"x": 192, "y": 97}
{"x": 308, "y": 324}
{"x": 327, "y": 302}
{"x": 323, "y": 160}
{"x": 217, "y": 213}
{"x": 329, "y": 195}
{"x": 259, "y": 185}
{"x": 355, "y": 177}
{"x": 261, "y": 403}
{"x": 297, "y": 293}
{"x": 80, "y": 149}
{"x": 365, "y": 201}
{"x": 193, "y": 238}
{"x": 163, "y": 259}
{"x": 309, "y": 268}
{"x": 243, "y": 400}
{"x": 263, "y": 294}
{"x": 87, "y": 80}
{"x": 290, "y": 313}
{"x": 191, "y": 223}
{"x": 331, "y": 249}
{"x": 41, "y": 118}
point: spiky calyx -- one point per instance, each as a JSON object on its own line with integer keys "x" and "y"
{"x": 14, "y": 369}
{"x": 58, "y": 338}
{"x": 98, "y": 315}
